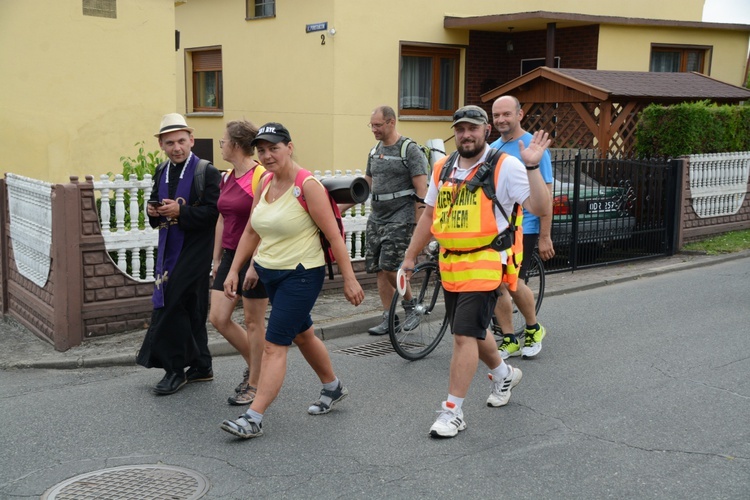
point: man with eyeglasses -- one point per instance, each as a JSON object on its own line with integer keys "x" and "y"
{"x": 396, "y": 181}
{"x": 476, "y": 253}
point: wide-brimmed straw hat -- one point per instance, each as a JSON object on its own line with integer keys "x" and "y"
{"x": 172, "y": 122}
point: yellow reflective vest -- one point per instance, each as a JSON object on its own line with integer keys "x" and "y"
{"x": 464, "y": 224}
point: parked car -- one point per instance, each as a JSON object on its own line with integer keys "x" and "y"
{"x": 605, "y": 213}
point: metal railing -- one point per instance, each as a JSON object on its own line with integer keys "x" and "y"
{"x": 30, "y": 210}
{"x": 610, "y": 210}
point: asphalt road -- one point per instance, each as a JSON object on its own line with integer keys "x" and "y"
{"x": 642, "y": 391}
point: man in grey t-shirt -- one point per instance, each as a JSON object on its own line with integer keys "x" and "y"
{"x": 396, "y": 181}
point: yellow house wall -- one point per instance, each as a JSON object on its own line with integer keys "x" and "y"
{"x": 629, "y": 49}
{"x": 367, "y": 43}
{"x": 272, "y": 71}
{"x": 367, "y": 53}
{"x": 325, "y": 93}
{"x": 80, "y": 91}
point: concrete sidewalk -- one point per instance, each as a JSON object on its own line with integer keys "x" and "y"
{"x": 334, "y": 317}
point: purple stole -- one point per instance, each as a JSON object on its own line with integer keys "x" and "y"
{"x": 171, "y": 236}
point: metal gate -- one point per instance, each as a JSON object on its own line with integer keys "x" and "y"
{"x": 610, "y": 210}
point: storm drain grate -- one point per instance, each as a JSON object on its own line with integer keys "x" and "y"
{"x": 372, "y": 350}
{"x": 141, "y": 482}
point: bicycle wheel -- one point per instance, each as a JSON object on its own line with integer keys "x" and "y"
{"x": 429, "y": 311}
{"x": 535, "y": 281}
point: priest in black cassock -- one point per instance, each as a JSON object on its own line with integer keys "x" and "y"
{"x": 183, "y": 207}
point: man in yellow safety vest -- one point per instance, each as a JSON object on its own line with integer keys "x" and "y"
{"x": 476, "y": 246}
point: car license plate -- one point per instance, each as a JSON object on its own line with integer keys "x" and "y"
{"x": 602, "y": 206}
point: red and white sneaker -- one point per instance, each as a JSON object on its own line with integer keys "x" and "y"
{"x": 450, "y": 421}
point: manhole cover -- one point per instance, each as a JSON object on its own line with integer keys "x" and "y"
{"x": 371, "y": 350}
{"x": 139, "y": 482}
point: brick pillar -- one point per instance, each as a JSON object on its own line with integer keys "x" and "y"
{"x": 66, "y": 265}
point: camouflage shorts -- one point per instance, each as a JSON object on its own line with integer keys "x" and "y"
{"x": 385, "y": 245}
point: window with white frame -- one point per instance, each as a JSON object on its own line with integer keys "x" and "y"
{"x": 529, "y": 64}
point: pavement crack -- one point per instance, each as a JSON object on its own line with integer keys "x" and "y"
{"x": 665, "y": 450}
{"x": 571, "y": 430}
{"x": 732, "y": 362}
{"x": 699, "y": 382}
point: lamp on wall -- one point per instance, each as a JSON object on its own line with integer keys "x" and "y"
{"x": 509, "y": 43}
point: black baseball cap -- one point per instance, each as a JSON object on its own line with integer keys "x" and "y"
{"x": 272, "y": 132}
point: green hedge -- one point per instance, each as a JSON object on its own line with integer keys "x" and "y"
{"x": 692, "y": 128}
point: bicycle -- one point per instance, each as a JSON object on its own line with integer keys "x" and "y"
{"x": 426, "y": 286}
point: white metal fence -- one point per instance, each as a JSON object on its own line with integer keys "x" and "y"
{"x": 30, "y": 207}
{"x": 132, "y": 243}
{"x": 718, "y": 182}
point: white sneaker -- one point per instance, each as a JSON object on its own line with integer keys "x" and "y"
{"x": 500, "y": 394}
{"x": 450, "y": 421}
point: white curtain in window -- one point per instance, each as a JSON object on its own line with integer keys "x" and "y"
{"x": 416, "y": 82}
{"x": 693, "y": 61}
{"x": 210, "y": 92}
{"x": 665, "y": 62}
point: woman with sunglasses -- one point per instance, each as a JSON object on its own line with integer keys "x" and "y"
{"x": 291, "y": 265}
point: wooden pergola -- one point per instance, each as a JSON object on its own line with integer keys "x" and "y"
{"x": 592, "y": 109}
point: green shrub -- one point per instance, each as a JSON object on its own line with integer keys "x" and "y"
{"x": 143, "y": 163}
{"x": 692, "y": 128}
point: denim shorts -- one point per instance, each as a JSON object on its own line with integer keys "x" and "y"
{"x": 293, "y": 293}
